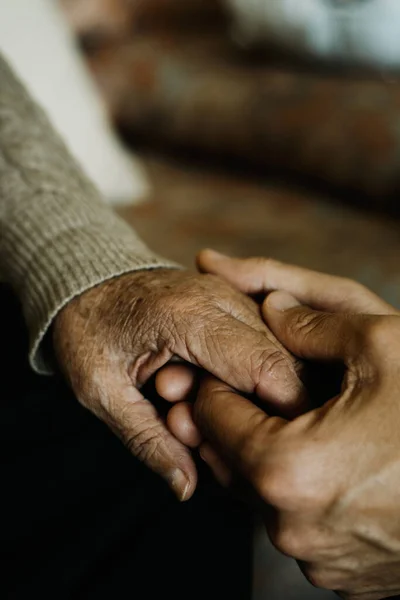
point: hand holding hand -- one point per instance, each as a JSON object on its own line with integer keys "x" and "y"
{"x": 330, "y": 479}
{"x": 111, "y": 339}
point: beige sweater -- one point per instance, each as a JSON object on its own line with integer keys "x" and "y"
{"x": 57, "y": 237}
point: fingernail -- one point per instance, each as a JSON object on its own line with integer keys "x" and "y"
{"x": 282, "y": 301}
{"x": 205, "y": 453}
{"x": 202, "y": 455}
{"x": 179, "y": 484}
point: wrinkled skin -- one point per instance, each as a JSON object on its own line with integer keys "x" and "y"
{"x": 110, "y": 340}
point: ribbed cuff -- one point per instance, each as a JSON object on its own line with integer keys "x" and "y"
{"x": 51, "y": 260}
{"x": 57, "y": 238}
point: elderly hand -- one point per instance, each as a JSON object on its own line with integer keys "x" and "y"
{"x": 111, "y": 339}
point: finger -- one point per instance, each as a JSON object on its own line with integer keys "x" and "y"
{"x": 240, "y": 431}
{"x": 175, "y": 382}
{"x": 222, "y": 473}
{"x": 246, "y": 359}
{"x": 181, "y": 424}
{"x": 323, "y": 292}
{"x": 248, "y": 275}
{"x": 312, "y": 334}
{"x": 141, "y": 429}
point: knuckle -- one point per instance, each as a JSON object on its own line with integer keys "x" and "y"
{"x": 264, "y": 269}
{"x": 270, "y": 360}
{"x": 264, "y": 262}
{"x": 323, "y": 578}
{"x": 307, "y": 324}
{"x": 273, "y": 487}
{"x": 274, "y": 482}
{"x": 295, "y": 485}
{"x": 269, "y": 364}
{"x": 144, "y": 443}
{"x": 319, "y": 578}
{"x": 291, "y": 544}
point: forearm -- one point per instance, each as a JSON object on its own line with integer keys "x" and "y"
{"x": 57, "y": 238}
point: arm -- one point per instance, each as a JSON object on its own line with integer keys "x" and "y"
{"x": 63, "y": 252}
{"x": 57, "y": 237}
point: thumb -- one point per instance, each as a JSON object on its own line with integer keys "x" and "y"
{"x": 308, "y": 333}
{"x": 136, "y": 421}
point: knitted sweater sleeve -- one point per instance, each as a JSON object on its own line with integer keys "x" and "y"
{"x": 57, "y": 237}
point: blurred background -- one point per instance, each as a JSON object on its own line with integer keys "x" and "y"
{"x": 256, "y": 127}
{"x": 258, "y": 142}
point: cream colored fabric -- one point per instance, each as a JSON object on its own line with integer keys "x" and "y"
{"x": 57, "y": 237}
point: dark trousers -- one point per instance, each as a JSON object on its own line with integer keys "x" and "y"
{"x": 82, "y": 519}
